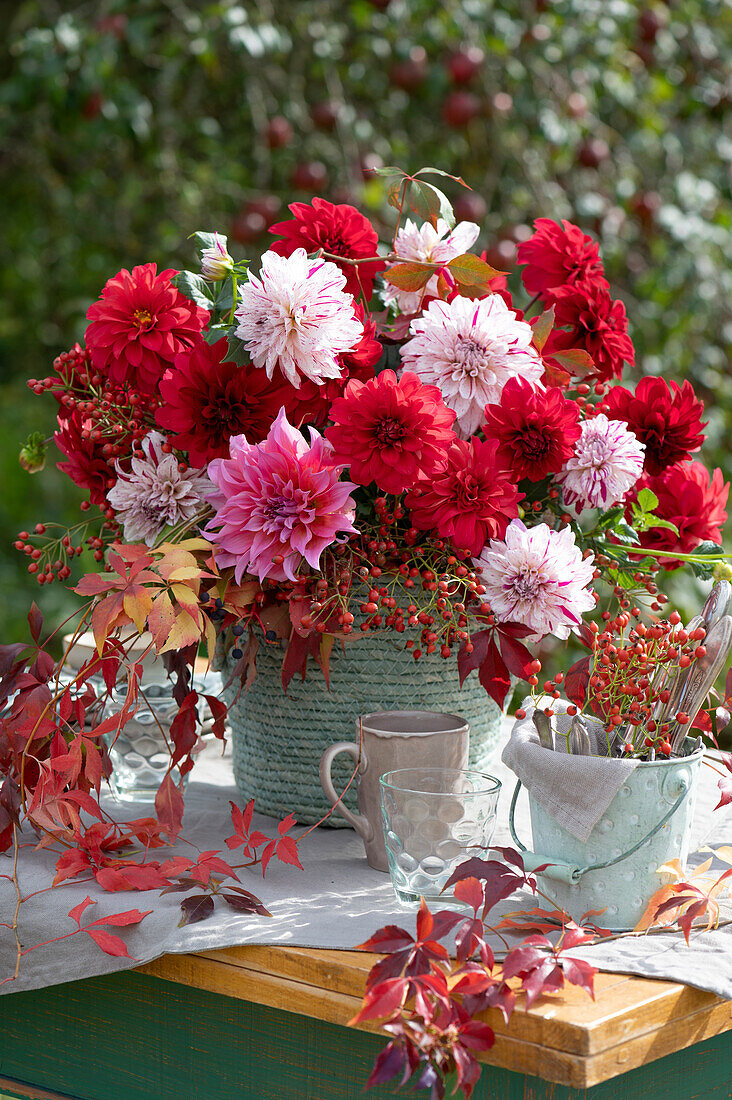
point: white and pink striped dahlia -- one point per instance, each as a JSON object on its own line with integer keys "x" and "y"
{"x": 607, "y": 462}
{"x": 296, "y": 316}
{"x": 537, "y": 577}
{"x": 436, "y": 245}
{"x": 469, "y": 350}
{"x": 278, "y": 502}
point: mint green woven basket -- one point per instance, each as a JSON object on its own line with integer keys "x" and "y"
{"x": 278, "y": 739}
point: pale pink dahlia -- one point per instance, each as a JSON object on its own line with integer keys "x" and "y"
{"x": 296, "y": 316}
{"x": 537, "y": 577}
{"x": 155, "y": 493}
{"x": 469, "y": 350}
{"x": 607, "y": 462}
{"x": 432, "y": 245}
{"x": 278, "y": 502}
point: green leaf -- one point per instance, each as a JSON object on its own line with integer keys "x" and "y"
{"x": 237, "y": 352}
{"x": 609, "y": 519}
{"x": 647, "y": 501}
{"x": 429, "y": 203}
{"x": 654, "y": 521}
{"x": 411, "y": 277}
{"x": 626, "y": 533}
{"x": 470, "y": 270}
{"x": 195, "y": 287}
{"x": 446, "y": 175}
{"x": 204, "y": 240}
{"x": 214, "y": 333}
{"x": 577, "y": 362}
{"x": 542, "y": 327}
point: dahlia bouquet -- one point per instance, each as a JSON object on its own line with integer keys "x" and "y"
{"x": 344, "y": 437}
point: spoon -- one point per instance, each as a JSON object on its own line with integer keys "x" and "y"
{"x": 701, "y": 677}
{"x": 717, "y": 605}
{"x": 578, "y": 740}
{"x": 544, "y": 729}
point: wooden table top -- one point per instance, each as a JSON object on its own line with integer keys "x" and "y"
{"x": 568, "y": 1039}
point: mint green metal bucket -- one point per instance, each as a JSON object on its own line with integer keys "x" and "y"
{"x": 647, "y": 823}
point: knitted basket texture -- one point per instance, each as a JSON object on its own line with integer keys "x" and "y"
{"x": 278, "y": 739}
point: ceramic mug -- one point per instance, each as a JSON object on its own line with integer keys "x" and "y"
{"x": 392, "y": 739}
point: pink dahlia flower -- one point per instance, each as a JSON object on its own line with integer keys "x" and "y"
{"x": 469, "y": 350}
{"x": 537, "y": 577}
{"x": 607, "y": 462}
{"x": 432, "y": 245}
{"x": 297, "y": 316}
{"x": 278, "y": 502}
{"x": 155, "y": 493}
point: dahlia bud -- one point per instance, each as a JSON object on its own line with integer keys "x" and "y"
{"x": 32, "y": 455}
{"x": 216, "y": 263}
{"x": 722, "y": 571}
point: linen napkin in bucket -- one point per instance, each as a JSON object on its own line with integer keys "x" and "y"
{"x": 574, "y": 790}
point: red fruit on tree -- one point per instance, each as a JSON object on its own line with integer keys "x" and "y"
{"x": 645, "y": 206}
{"x": 593, "y": 152}
{"x": 325, "y": 115}
{"x": 279, "y": 132}
{"x": 470, "y": 207}
{"x": 370, "y": 162}
{"x": 460, "y": 108}
{"x": 92, "y": 105}
{"x": 248, "y": 226}
{"x": 409, "y": 73}
{"x": 464, "y": 64}
{"x": 650, "y": 23}
{"x": 309, "y": 175}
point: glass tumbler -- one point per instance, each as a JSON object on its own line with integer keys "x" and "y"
{"x": 435, "y": 819}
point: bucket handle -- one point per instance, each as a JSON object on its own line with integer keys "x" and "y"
{"x": 569, "y": 873}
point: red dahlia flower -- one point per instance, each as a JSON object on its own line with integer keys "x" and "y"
{"x": 599, "y": 325}
{"x": 536, "y": 430}
{"x": 86, "y": 466}
{"x": 471, "y": 501}
{"x": 692, "y": 500}
{"x": 557, "y": 256}
{"x": 339, "y": 229}
{"x": 669, "y": 424}
{"x": 391, "y": 431}
{"x": 207, "y": 400}
{"x": 310, "y": 404}
{"x": 139, "y": 325}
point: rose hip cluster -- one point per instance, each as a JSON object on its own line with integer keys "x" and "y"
{"x": 629, "y": 684}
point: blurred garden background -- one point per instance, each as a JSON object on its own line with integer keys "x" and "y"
{"x": 126, "y": 125}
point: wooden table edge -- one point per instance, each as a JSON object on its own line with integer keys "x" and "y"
{"x": 537, "y": 1042}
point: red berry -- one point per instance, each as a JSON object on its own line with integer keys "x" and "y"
{"x": 464, "y": 64}
{"x": 460, "y": 108}
{"x": 520, "y": 713}
{"x": 279, "y": 132}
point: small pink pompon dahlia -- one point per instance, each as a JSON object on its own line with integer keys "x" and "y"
{"x": 432, "y": 245}
{"x": 607, "y": 462}
{"x": 537, "y": 577}
{"x": 155, "y": 493}
{"x": 469, "y": 350}
{"x": 278, "y": 502}
{"x": 296, "y": 316}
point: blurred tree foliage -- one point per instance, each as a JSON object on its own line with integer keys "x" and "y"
{"x": 125, "y": 125}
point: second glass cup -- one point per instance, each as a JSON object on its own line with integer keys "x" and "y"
{"x": 435, "y": 819}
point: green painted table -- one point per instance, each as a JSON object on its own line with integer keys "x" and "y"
{"x": 267, "y": 1023}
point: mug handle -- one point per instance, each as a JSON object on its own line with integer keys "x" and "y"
{"x": 360, "y": 823}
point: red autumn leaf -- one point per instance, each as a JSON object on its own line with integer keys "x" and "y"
{"x": 183, "y": 727}
{"x": 389, "y": 1062}
{"x": 576, "y": 681}
{"x": 515, "y": 656}
{"x": 387, "y": 939}
{"x": 110, "y": 945}
{"x": 169, "y": 807}
{"x": 77, "y": 911}
{"x": 244, "y": 902}
{"x": 35, "y": 622}
{"x": 195, "y": 909}
{"x": 121, "y": 920}
{"x": 130, "y": 876}
{"x": 381, "y": 1001}
{"x": 470, "y": 891}
{"x": 389, "y": 967}
{"x": 410, "y": 277}
{"x": 425, "y": 923}
{"x": 71, "y": 863}
{"x": 578, "y": 972}
{"x": 541, "y": 327}
{"x": 500, "y": 881}
{"x": 286, "y": 824}
{"x": 218, "y": 713}
{"x": 287, "y": 852}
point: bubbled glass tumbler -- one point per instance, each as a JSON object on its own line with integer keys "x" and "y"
{"x": 434, "y": 819}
